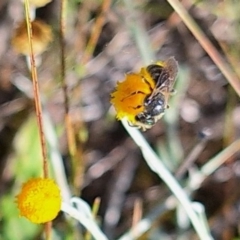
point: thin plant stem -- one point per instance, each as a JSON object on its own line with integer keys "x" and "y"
{"x": 220, "y": 158}
{"x": 95, "y": 210}
{"x": 87, "y": 222}
{"x": 68, "y": 122}
{"x": 56, "y": 158}
{"x": 137, "y": 215}
{"x": 71, "y": 140}
{"x": 191, "y": 158}
{"x": 37, "y": 101}
{"x": 62, "y": 46}
{"x": 96, "y": 30}
{"x": 206, "y": 44}
{"x": 230, "y": 57}
{"x": 146, "y": 223}
{"x": 48, "y": 227}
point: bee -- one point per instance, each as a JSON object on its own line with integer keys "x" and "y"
{"x": 164, "y": 75}
{"x": 143, "y": 97}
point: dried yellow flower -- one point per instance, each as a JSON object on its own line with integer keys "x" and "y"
{"x": 41, "y": 37}
{"x": 39, "y": 200}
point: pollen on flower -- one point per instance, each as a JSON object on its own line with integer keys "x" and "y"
{"x": 39, "y": 200}
{"x": 128, "y": 97}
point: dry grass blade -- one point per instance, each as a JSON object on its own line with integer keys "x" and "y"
{"x": 206, "y": 44}
{"x": 96, "y": 30}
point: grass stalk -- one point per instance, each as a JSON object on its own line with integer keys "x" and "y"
{"x": 206, "y": 44}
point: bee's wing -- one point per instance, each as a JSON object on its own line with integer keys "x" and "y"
{"x": 168, "y": 75}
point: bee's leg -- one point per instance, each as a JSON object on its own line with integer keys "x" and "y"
{"x": 133, "y": 125}
{"x": 139, "y": 126}
{"x": 130, "y": 124}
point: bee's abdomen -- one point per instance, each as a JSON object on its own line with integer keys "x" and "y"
{"x": 155, "y": 71}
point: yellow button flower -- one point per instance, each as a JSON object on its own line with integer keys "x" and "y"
{"x": 39, "y": 200}
{"x": 128, "y": 97}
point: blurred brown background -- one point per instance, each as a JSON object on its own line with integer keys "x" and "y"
{"x": 109, "y": 165}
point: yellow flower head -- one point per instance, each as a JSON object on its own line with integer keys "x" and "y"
{"x": 128, "y": 97}
{"x": 39, "y": 200}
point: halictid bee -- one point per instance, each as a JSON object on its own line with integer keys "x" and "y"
{"x": 164, "y": 75}
{"x": 143, "y": 97}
